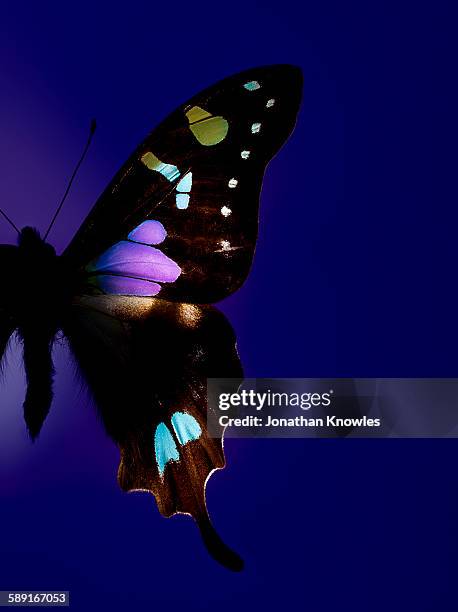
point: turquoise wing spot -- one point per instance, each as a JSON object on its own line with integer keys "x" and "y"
{"x": 182, "y": 201}
{"x": 164, "y": 447}
{"x": 183, "y": 188}
{"x": 170, "y": 172}
{"x": 186, "y": 427}
{"x": 252, "y": 85}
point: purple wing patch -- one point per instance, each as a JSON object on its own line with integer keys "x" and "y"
{"x": 138, "y": 261}
{"x": 131, "y": 267}
{"x": 122, "y": 285}
{"x": 148, "y": 232}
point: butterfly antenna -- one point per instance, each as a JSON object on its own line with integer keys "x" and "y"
{"x": 5, "y": 216}
{"x": 75, "y": 171}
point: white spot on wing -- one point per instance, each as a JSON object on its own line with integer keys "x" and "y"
{"x": 225, "y": 211}
{"x": 245, "y": 154}
{"x": 270, "y": 103}
{"x": 226, "y": 247}
{"x": 255, "y": 128}
{"x": 233, "y": 183}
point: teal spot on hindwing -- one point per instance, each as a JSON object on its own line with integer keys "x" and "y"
{"x": 186, "y": 427}
{"x": 165, "y": 448}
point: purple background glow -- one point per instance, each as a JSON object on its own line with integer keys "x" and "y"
{"x": 361, "y": 204}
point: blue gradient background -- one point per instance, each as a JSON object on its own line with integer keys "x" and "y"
{"x": 355, "y": 275}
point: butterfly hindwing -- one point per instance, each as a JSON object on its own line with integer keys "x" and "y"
{"x": 198, "y": 176}
{"x": 146, "y": 364}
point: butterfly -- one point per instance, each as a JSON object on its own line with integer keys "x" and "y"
{"x": 174, "y": 232}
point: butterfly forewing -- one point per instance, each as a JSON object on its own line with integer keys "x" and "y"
{"x": 199, "y": 176}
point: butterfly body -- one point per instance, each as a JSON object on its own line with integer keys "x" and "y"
{"x": 36, "y": 272}
{"x": 37, "y": 293}
{"x": 173, "y": 232}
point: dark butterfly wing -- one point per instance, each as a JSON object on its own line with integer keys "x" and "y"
{"x": 192, "y": 187}
{"x": 198, "y": 176}
{"x": 146, "y": 362}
